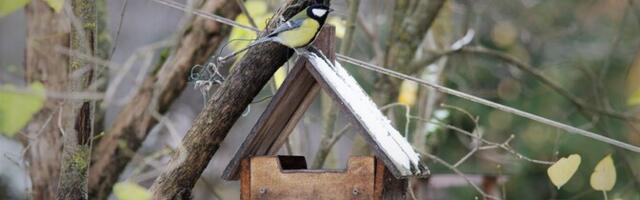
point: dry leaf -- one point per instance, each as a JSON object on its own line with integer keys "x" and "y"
{"x": 130, "y": 191}
{"x": 408, "y": 93}
{"x": 603, "y": 177}
{"x": 561, "y": 171}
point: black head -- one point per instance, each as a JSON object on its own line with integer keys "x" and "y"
{"x": 319, "y": 12}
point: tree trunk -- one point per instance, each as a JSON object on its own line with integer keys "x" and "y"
{"x": 46, "y": 30}
{"x": 78, "y": 119}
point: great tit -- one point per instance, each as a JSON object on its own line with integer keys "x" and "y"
{"x": 297, "y": 32}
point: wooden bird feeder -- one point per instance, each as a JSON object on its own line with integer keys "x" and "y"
{"x": 266, "y": 176}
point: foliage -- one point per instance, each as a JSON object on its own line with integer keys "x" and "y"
{"x": 56, "y": 5}
{"x": 561, "y": 171}
{"x": 130, "y": 191}
{"x": 18, "y": 106}
{"x": 603, "y": 177}
{"x": 9, "y": 6}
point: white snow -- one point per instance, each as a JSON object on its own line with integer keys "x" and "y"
{"x": 389, "y": 140}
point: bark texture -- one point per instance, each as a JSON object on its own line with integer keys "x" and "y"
{"x": 158, "y": 91}
{"x": 78, "y": 115}
{"x": 46, "y": 30}
{"x": 220, "y": 113}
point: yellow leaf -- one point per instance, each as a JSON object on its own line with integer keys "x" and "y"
{"x": 17, "y": 106}
{"x": 130, "y": 191}
{"x": 561, "y": 171}
{"x": 504, "y": 34}
{"x": 240, "y": 37}
{"x": 341, "y": 27}
{"x": 408, "y": 93}
{"x": 603, "y": 177}
{"x": 55, "y": 4}
{"x": 9, "y": 6}
{"x": 279, "y": 76}
{"x": 634, "y": 99}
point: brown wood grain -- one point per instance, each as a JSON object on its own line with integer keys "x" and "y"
{"x": 245, "y": 180}
{"x": 269, "y": 181}
{"x": 392, "y": 187}
{"x": 285, "y": 109}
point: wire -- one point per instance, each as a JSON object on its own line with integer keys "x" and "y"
{"x": 492, "y": 104}
{"x": 443, "y": 89}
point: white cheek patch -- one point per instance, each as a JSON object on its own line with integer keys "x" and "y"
{"x": 319, "y": 12}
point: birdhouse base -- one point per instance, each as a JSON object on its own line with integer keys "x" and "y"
{"x": 287, "y": 177}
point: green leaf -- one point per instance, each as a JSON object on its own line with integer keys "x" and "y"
{"x": 18, "y": 106}
{"x": 9, "y": 6}
{"x": 130, "y": 191}
{"x": 55, "y": 4}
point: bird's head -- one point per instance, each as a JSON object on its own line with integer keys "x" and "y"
{"x": 319, "y": 11}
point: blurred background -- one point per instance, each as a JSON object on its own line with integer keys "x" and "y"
{"x": 573, "y": 61}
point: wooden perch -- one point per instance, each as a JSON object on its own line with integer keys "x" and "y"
{"x": 134, "y": 122}
{"x": 220, "y": 113}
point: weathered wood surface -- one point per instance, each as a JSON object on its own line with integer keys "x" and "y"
{"x": 388, "y": 187}
{"x": 387, "y": 143}
{"x": 285, "y": 109}
{"x": 226, "y": 105}
{"x": 269, "y": 180}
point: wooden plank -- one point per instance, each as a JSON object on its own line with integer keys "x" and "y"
{"x": 387, "y": 143}
{"x": 268, "y": 181}
{"x": 284, "y": 111}
{"x": 292, "y": 162}
{"x": 392, "y": 187}
{"x": 245, "y": 180}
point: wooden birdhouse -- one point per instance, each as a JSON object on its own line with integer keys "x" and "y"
{"x": 264, "y": 175}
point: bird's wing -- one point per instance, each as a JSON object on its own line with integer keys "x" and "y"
{"x": 288, "y": 25}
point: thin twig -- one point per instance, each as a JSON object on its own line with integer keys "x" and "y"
{"x": 246, "y": 13}
{"x": 359, "y": 63}
{"x": 537, "y": 118}
{"x": 115, "y": 39}
{"x": 206, "y": 15}
{"x": 532, "y": 71}
{"x": 457, "y": 171}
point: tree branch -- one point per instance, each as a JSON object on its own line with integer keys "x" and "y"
{"x": 533, "y": 71}
{"x": 157, "y": 92}
{"x": 220, "y": 113}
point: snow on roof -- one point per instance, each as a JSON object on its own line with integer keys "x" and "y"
{"x": 395, "y": 147}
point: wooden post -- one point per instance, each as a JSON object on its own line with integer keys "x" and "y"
{"x": 387, "y": 186}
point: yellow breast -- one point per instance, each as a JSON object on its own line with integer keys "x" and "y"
{"x": 300, "y": 36}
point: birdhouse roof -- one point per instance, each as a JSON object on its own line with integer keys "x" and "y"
{"x": 294, "y": 96}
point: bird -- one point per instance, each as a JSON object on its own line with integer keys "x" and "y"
{"x": 297, "y": 32}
